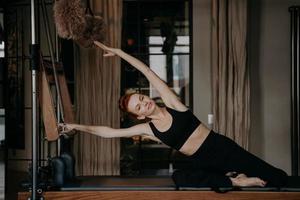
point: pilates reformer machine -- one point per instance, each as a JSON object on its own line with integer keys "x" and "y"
{"x": 156, "y": 188}
{"x": 64, "y": 184}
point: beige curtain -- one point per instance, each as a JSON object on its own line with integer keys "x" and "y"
{"x": 97, "y": 93}
{"x": 230, "y": 73}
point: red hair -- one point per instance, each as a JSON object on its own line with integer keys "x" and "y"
{"x": 123, "y": 103}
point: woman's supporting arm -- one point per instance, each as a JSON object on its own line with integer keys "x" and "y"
{"x": 108, "y": 132}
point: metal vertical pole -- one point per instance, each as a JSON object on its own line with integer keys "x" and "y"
{"x": 58, "y": 111}
{"x": 59, "y": 117}
{"x": 34, "y": 65}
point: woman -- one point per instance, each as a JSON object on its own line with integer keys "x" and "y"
{"x": 215, "y": 157}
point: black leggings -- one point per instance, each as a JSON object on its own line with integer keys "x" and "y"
{"x": 219, "y": 155}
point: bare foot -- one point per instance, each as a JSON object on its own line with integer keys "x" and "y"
{"x": 243, "y": 181}
{"x": 231, "y": 174}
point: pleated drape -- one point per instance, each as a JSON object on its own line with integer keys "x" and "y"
{"x": 97, "y": 93}
{"x": 230, "y": 73}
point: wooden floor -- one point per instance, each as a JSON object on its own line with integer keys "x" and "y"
{"x": 165, "y": 195}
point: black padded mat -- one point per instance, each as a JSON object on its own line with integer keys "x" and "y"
{"x": 160, "y": 183}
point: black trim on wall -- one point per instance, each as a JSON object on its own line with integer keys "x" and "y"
{"x": 191, "y": 87}
{"x": 295, "y": 88}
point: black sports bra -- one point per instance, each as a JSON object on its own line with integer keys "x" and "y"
{"x": 183, "y": 125}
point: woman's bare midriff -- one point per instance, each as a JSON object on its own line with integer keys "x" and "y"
{"x": 194, "y": 142}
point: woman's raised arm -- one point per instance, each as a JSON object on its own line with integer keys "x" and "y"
{"x": 167, "y": 95}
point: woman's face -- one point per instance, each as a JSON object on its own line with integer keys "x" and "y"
{"x": 141, "y": 105}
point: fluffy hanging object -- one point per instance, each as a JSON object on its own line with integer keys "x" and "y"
{"x": 72, "y": 22}
{"x": 69, "y": 18}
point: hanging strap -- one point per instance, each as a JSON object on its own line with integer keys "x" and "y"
{"x": 49, "y": 40}
{"x": 66, "y": 103}
{"x": 47, "y": 106}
